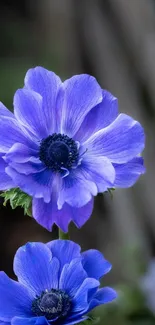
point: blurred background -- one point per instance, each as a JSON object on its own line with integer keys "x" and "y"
{"x": 114, "y": 40}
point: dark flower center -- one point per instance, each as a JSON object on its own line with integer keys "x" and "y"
{"x": 58, "y": 152}
{"x": 53, "y": 304}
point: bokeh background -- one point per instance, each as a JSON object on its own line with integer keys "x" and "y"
{"x": 114, "y": 40}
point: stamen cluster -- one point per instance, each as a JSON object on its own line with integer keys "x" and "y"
{"x": 52, "y": 304}
{"x": 58, "y": 152}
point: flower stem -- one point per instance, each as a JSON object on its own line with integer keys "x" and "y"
{"x": 63, "y": 235}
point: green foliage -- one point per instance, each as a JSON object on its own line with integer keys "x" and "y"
{"x": 17, "y": 198}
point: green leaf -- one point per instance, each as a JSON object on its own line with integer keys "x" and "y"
{"x": 17, "y": 198}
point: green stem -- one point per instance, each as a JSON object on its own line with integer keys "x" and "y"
{"x": 63, "y": 235}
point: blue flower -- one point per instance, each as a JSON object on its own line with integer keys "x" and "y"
{"x": 65, "y": 143}
{"x": 56, "y": 284}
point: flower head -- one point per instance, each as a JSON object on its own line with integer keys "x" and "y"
{"x": 56, "y": 284}
{"x": 65, "y": 143}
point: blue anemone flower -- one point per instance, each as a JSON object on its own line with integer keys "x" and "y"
{"x": 56, "y": 284}
{"x": 65, "y": 143}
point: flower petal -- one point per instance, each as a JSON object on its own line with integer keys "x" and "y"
{"x": 11, "y": 132}
{"x": 99, "y": 170}
{"x": 95, "y": 264}
{"x": 15, "y": 299}
{"x": 80, "y": 215}
{"x": 82, "y": 93}
{"x": 99, "y": 117}
{"x": 38, "y": 185}
{"x": 20, "y": 153}
{"x": 47, "y": 84}
{"x": 5, "y": 112}
{"x": 72, "y": 276}
{"x": 46, "y": 214}
{"x": 29, "y": 112}
{"x": 80, "y": 300}
{"x": 121, "y": 141}
{"x": 35, "y": 267}
{"x": 5, "y": 181}
{"x": 64, "y": 250}
{"x": 28, "y": 167}
{"x": 127, "y": 174}
{"x": 24, "y": 159}
{"x": 29, "y": 321}
{"x": 76, "y": 190}
{"x": 102, "y": 296}
{"x": 3, "y": 164}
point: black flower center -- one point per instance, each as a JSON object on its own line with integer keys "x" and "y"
{"x": 53, "y": 304}
{"x": 58, "y": 152}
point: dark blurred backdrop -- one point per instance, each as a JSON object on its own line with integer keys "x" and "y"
{"x": 114, "y": 40}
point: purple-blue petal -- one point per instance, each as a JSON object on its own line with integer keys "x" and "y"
{"x": 4, "y": 112}
{"x": 20, "y": 153}
{"x": 99, "y": 170}
{"x": 72, "y": 276}
{"x": 37, "y": 185}
{"x": 81, "y": 94}
{"x": 28, "y": 168}
{"x": 76, "y": 190}
{"x": 24, "y": 159}
{"x": 29, "y": 321}
{"x": 15, "y": 299}
{"x": 103, "y": 296}
{"x": 99, "y": 117}
{"x": 46, "y": 214}
{"x": 64, "y": 250}
{"x": 127, "y": 174}
{"x": 35, "y": 267}
{"x": 80, "y": 215}
{"x": 121, "y": 141}
{"x": 29, "y": 112}
{"x": 95, "y": 264}
{"x": 80, "y": 300}
{"x": 47, "y": 84}
{"x": 11, "y": 132}
{"x": 5, "y": 181}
